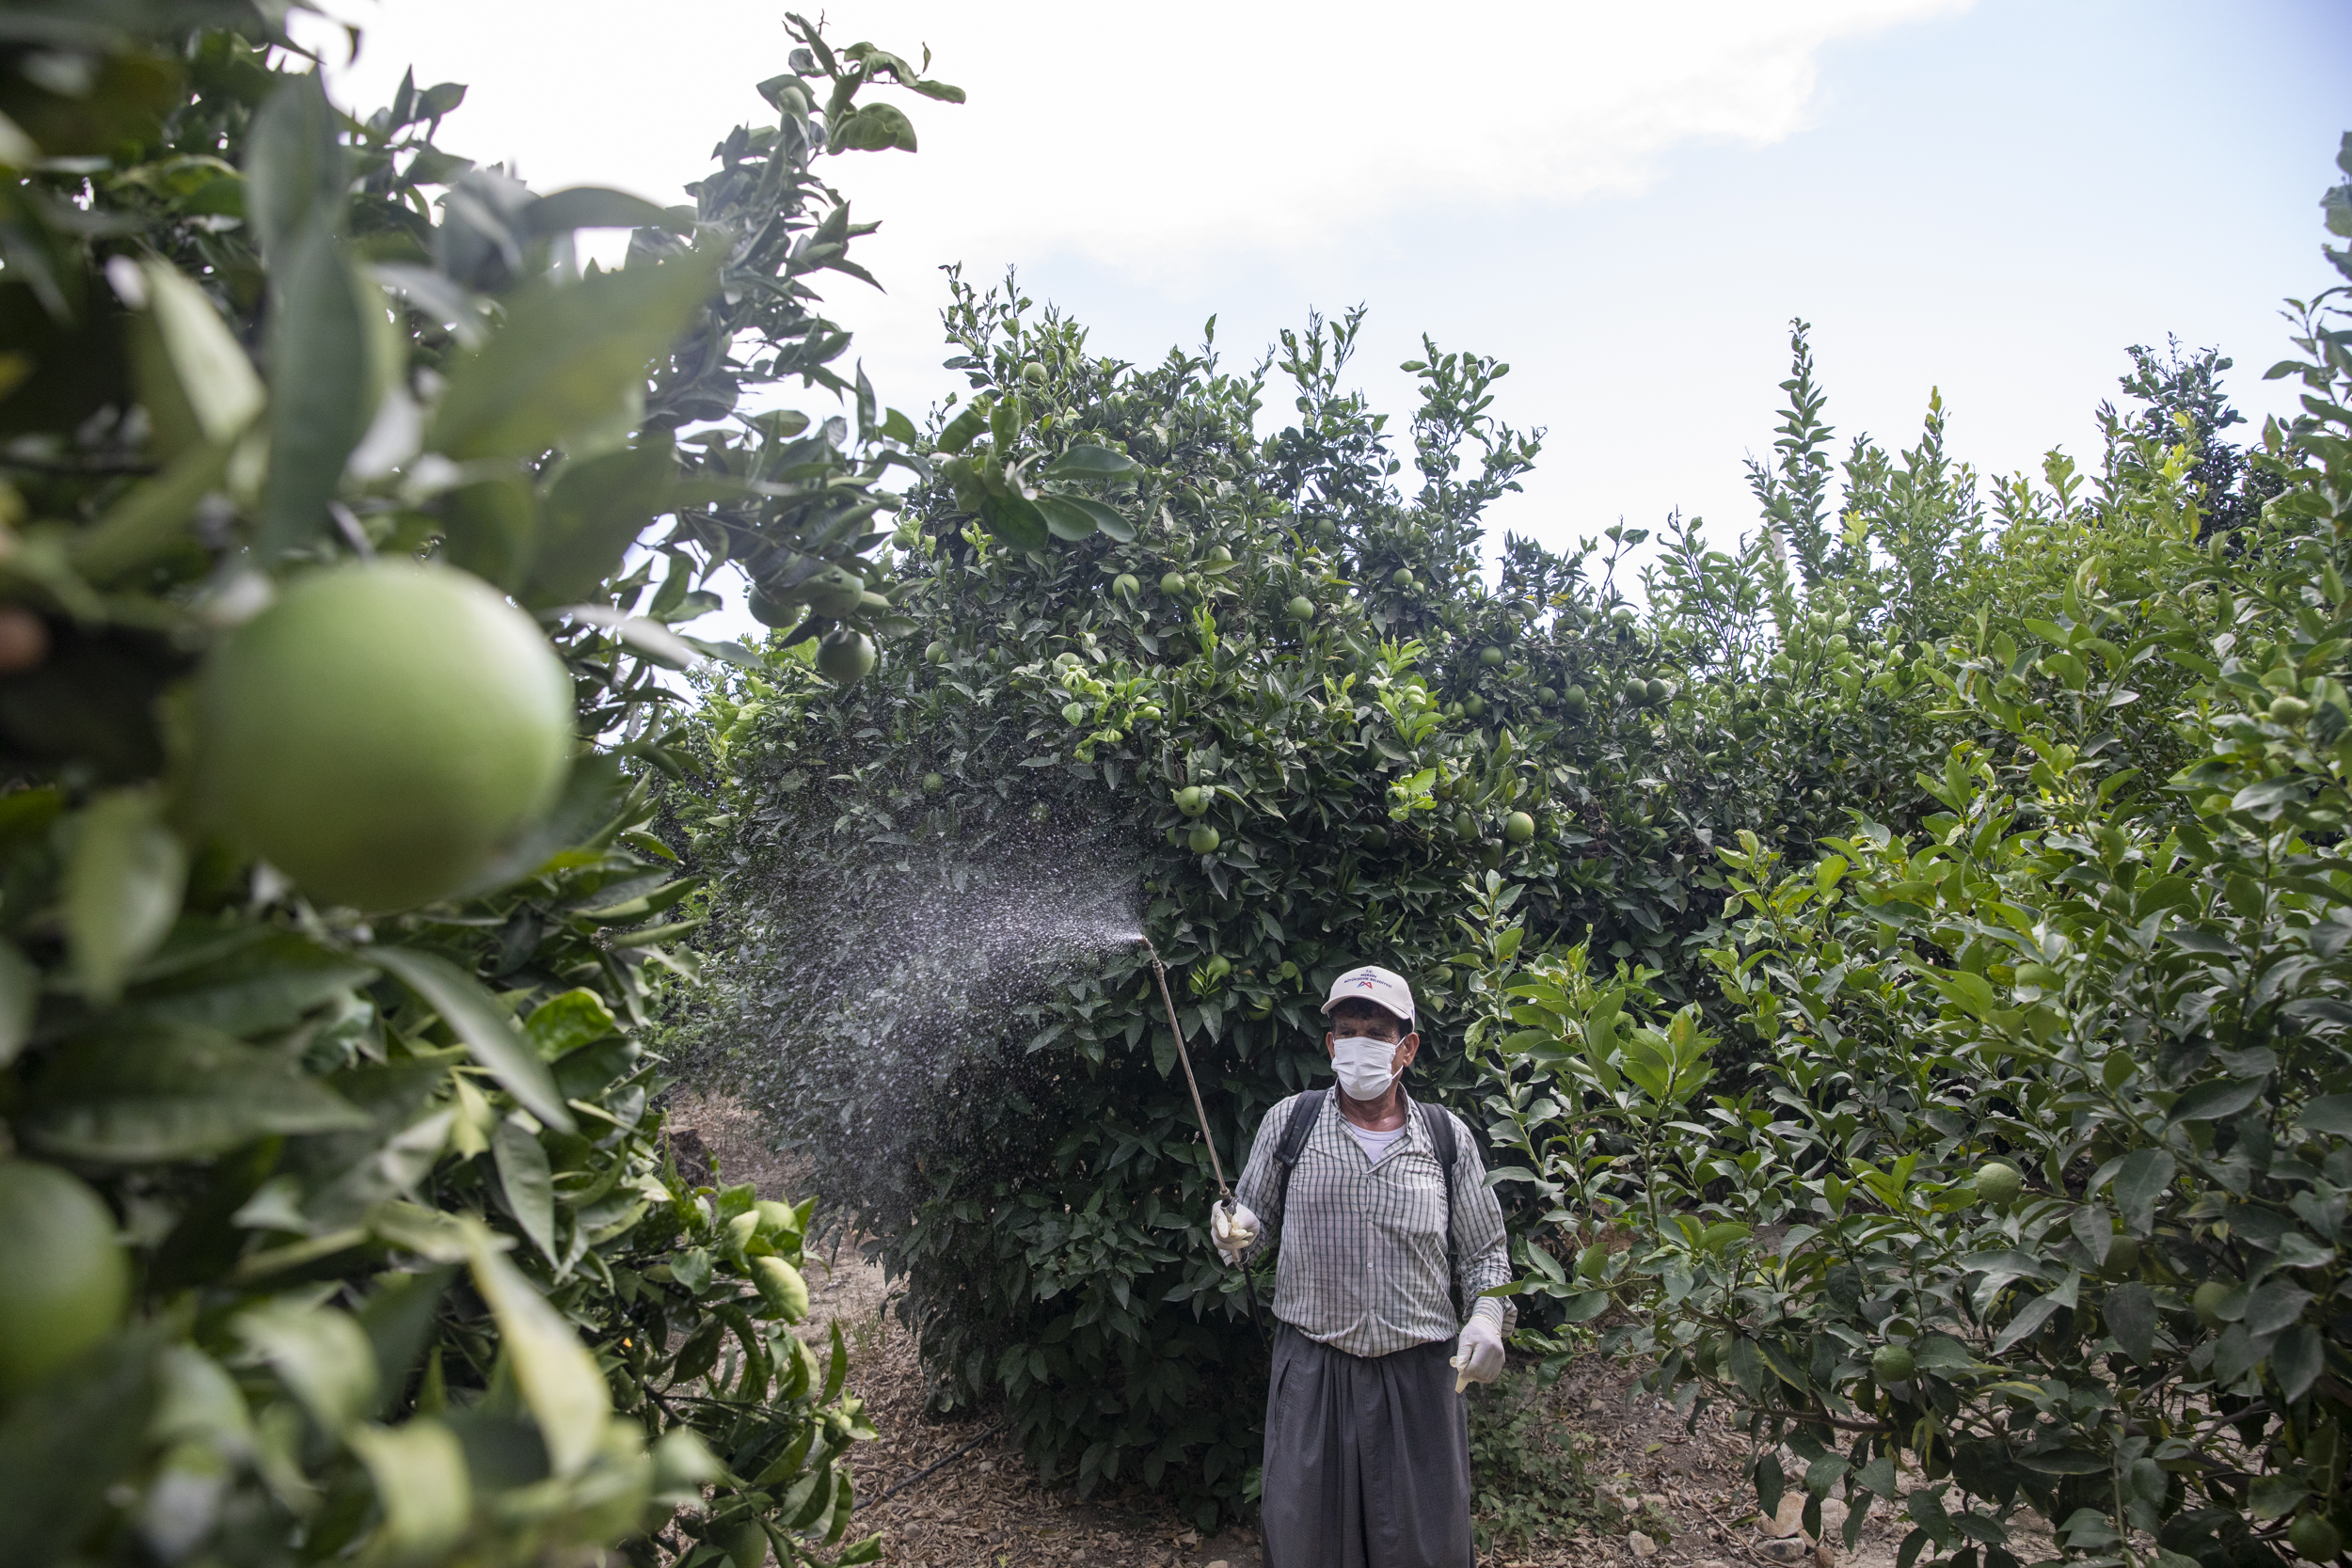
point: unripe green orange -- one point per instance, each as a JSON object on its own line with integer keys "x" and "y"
{"x": 1203, "y": 840}
{"x": 1518, "y": 827}
{"x": 933, "y": 784}
{"x": 1490, "y": 656}
{"x": 1402, "y": 577}
{"x": 1302, "y": 608}
{"x": 746, "y": 1545}
{"x": 2316, "y": 1538}
{"x": 2206, "y": 1301}
{"x": 834, "y": 592}
{"x": 1893, "y": 1364}
{"x": 1173, "y": 584}
{"x": 382, "y": 731}
{"x": 64, "y": 1282}
{"x": 1034, "y": 374}
{"x": 782, "y": 1288}
{"x": 2291, "y": 710}
{"x": 1998, "y": 1183}
{"x": 845, "y": 657}
{"x": 1125, "y": 585}
{"x": 2123, "y": 1258}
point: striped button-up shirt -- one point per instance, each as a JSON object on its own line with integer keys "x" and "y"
{"x": 1362, "y": 1266}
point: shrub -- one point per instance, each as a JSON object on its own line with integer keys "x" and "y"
{"x": 2034, "y": 1192}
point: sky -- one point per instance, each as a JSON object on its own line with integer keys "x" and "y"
{"x": 1626, "y": 203}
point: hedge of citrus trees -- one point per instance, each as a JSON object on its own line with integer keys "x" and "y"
{"x": 336, "y": 1213}
{"x": 1281, "y": 688}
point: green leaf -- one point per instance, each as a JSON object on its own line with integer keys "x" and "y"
{"x": 123, "y": 878}
{"x": 560, "y": 1380}
{"x": 874, "y": 128}
{"x": 491, "y": 528}
{"x": 1104, "y": 517}
{"x": 259, "y": 980}
{"x": 20, "y": 998}
{"x": 171, "y": 1091}
{"x": 563, "y": 1024}
{"x": 2139, "y": 1180}
{"x": 592, "y": 207}
{"x": 568, "y": 360}
{"x": 423, "y": 1485}
{"x": 526, "y": 1181}
{"x": 1015, "y": 521}
{"x": 323, "y": 385}
{"x": 193, "y": 375}
{"x": 476, "y": 1018}
{"x": 1064, "y": 518}
{"x": 296, "y": 172}
{"x": 593, "y": 512}
{"x": 322, "y": 1354}
{"x": 2211, "y": 1101}
{"x": 965, "y": 428}
{"x": 2131, "y": 1313}
{"x": 1090, "y": 461}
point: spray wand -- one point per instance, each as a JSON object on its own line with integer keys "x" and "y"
{"x": 1224, "y": 1192}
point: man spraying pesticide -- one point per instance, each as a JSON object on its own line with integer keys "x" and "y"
{"x": 1382, "y": 1205}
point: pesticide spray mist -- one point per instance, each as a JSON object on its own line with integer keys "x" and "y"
{"x": 862, "y": 1006}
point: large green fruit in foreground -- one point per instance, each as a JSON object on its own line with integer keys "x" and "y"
{"x": 63, "y": 1280}
{"x": 382, "y": 731}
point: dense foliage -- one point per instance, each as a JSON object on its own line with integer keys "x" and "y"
{"x": 2038, "y": 1192}
{"x": 329, "y": 1231}
{"x": 1280, "y": 694}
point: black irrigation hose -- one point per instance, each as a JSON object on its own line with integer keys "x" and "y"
{"x": 898, "y": 1486}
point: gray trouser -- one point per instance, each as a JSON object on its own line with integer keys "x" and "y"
{"x": 1367, "y": 1459}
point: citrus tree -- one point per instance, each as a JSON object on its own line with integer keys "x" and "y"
{"x": 336, "y": 1213}
{"x": 2032, "y": 1200}
{"x": 1277, "y": 701}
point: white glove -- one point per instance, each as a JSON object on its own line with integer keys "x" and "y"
{"x": 1233, "y": 1228}
{"x": 1479, "y": 1353}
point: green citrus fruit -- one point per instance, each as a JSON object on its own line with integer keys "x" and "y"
{"x": 1192, "y": 800}
{"x": 1034, "y": 374}
{"x": 1219, "y": 966}
{"x": 1475, "y": 706}
{"x": 782, "y": 1288}
{"x": 1998, "y": 1183}
{"x": 770, "y": 611}
{"x": 1576, "y": 699}
{"x": 1402, "y": 577}
{"x": 1125, "y": 585}
{"x": 1302, "y": 608}
{"x": 1376, "y": 837}
{"x": 2123, "y": 1258}
{"x": 2291, "y": 710}
{"x": 1623, "y": 615}
{"x": 933, "y": 784}
{"x": 382, "y": 730}
{"x": 2206, "y": 1301}
{"x": 1465, "y": 827}
{"x": 2314, "y": 1537}
{"x": 1490, "y": 656}
{"x": 1546, "y": 694}
{"x": 834, "y": 592}
{"x": 939, "y": 652}
{"x": 746, "y": 1545}
{"x": 64, "y": 1282}
{"x": 1173, "y": 584}
{"x": 1219, "y": 556}
{"x": 1654, "y": 691}
{"x": 1892, "y": 1364}
{"x": 1518, "y": 827}
{"x": 1203, "y": 840}
{"x": 844, "y": 656}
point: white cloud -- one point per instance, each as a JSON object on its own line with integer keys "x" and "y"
{"x": 1148, "y": 138}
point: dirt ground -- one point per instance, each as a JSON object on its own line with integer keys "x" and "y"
{"x": 983, "y": 1507}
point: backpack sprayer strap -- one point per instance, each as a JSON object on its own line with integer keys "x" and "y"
{"x": 1433, "y": 1121}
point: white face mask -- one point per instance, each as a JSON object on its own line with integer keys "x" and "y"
{"x": 1362, "y": 1065}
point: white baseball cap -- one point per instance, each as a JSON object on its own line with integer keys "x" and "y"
{"x": 1383, "y": 987}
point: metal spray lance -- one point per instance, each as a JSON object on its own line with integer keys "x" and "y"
{"x": 1224, "y": 1192}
